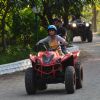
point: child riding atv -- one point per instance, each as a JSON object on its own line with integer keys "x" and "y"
{"x": 53, "y": 40}
{"x": 48, "y": 67}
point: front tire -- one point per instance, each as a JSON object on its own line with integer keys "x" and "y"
{"x": 30, "y": 81}
{"x": 79, "y": 75}
{"x": 83, "y": 38}
{"x": 89, "y": 36}
{"x": 70, "y": 79}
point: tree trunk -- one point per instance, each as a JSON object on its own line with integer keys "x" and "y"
{"x": 4, "y": 44}
{"x": 44, "y": 22}
{"x": 47, "y": 11}
{"x": 94, "y": 19}
{"x": 65, "y": 18}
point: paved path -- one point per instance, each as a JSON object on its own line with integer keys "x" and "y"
{"x": 12, "y": 86}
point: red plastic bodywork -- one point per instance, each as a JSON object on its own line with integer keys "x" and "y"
{"x": 52, "y": 63}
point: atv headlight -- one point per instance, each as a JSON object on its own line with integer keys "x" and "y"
{"x": 74, "y": 25}
{"x": 87, "y": 24}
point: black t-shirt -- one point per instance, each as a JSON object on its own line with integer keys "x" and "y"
{"x": 61, "y": 31}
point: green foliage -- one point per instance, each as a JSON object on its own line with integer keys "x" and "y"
{"x": 15, "y": 53}
{"x": 87, "y": 12}
{"x": 39, "y": 35}
{"x": 5, "y": 15}
{"x": 20, "y": 26}
{"x": 23, "y": 22}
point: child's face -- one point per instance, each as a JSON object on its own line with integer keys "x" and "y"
{"x": 51, "y": 32}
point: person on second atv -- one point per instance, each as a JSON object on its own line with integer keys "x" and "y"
{"x": 53, "y": 39}
{"x": 61, "y": 31}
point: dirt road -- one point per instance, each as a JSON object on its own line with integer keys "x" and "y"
{"x": 12, "y": 86}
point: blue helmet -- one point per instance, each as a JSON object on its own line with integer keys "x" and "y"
{"x": 50, "y": 27}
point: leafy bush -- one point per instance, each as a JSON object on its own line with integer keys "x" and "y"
{"x": 16, "y": 53}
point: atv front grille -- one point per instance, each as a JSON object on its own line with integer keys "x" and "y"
{"x": 47, "y": 76}
{"x": 48, "y": 69}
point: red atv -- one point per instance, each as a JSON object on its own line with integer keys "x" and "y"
{"x": 48, "y": 67}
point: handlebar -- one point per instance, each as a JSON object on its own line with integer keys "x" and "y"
{"x": 48, "y": 48}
